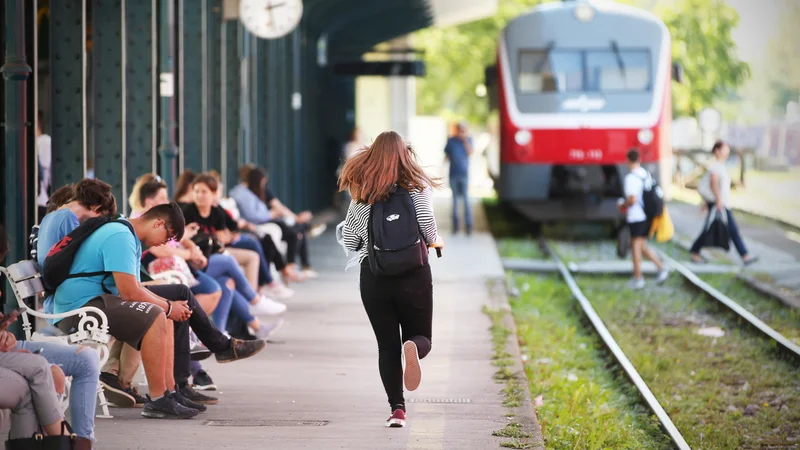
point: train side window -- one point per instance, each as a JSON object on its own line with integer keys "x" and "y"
{"x": 553, "y": 71}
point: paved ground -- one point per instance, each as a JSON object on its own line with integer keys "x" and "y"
{"x": 318, "y": 387}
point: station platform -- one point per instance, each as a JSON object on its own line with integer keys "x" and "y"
{"x": 316, "y": 386}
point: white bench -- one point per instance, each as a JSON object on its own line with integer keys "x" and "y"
{"x": 26, "y": 282}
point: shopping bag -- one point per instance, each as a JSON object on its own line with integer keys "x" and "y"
{"x": 663, "y": 229}
{"x": 716, "y": 233}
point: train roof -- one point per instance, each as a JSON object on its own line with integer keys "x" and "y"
{"x": 601, "y": 6}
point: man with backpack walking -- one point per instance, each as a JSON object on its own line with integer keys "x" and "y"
{"x": 643, "y": 202}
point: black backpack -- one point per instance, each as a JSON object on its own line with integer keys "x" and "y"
{"x": 395, "y": 243}
{"x": 652, "y": 198}
{"x": 58, "y": 262}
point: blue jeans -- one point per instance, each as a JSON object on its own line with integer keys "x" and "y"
{"x": 225, "y": 266}
{"x": 248, "y": 242}
{"x": 460, "y": 184}
{"x": 733, "y": 229}
{"x": 84, "y": 368}
{"x": 239, "y": 306}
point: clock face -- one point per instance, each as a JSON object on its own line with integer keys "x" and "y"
{"x": 270, "y": 18}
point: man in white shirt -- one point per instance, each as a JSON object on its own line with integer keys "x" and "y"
{"x": 44, "y": 156}
{"x": 633, "y": 207}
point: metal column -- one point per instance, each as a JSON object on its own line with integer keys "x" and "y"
{"x": 139, "y": 89}
{"x": 191, "y": 129}
{"x": 231, "y": 87}
{"x": 167, "y": 151}
{"x": 68, "y": 99}
{"x": 212, "y": 120}
{"x": 109, "y": 159}
{"x": 15, "y": 73}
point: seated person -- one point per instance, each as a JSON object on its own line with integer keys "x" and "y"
{"x": 258, "y": 205}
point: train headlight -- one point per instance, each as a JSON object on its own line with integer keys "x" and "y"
{"x": 645, "y": 136}
{"x": 523, "y": 137}
{"x": 584, "y": 12}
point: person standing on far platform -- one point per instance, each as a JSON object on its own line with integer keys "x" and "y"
{"x": 457, "y": 151}
{"x": 391, "y": 209}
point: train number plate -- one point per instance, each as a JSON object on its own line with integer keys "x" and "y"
{"x": 594, "y": 154}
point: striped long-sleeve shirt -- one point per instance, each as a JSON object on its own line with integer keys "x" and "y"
{"x": 354, "y": 232}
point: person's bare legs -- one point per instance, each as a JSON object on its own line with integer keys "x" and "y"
{"x": 154, "y": 356}
{"x": 651, "y": 255}
{"x": 637, "y": 244}
{"x": 250, "y": 262}
{"x": 59, "y": 379}
{"x": 129, "y": 361}
{"x": 209, "y": 302}
{"x": 169, "y": 373}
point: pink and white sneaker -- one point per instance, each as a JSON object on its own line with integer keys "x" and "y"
{"x": 412, "y": 373}
{"x": 398, "y": 419}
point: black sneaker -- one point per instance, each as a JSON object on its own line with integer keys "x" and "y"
{"x": 133, "y": 392}
{"x": 167, "y": 408}
{"x": 180, "y": 398}
{"x": 196, "y": 397}
{"x": 114, "y": 391}
{"x": 240, "y": 349}
{"x": 202, "y": 382}
{"x": 197, "y": 350}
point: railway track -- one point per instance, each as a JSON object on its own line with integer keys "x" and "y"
{"x": 627, "y": 366}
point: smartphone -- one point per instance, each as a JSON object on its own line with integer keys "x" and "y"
{"x": 10, "y": 317}
{"x": 36, "y": 352}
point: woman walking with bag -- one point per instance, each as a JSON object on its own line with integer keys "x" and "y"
{"x": 715, "y": 189}
{"x": 391, "y": 210}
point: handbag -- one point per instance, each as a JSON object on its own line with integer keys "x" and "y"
{"x": 208, "y": 244}
{"x": 173, "y": 263}
{"x": 716, "y": 233}
{"x": 66, "y": 441}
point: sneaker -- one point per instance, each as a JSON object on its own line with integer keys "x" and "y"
{"x": 663, "y": 274}
{"x": 165, "y": 407}
{"x": 310, "y": 273}
{"x": 751, "y": 260}
{"x": 317, "y": 230}
{"x": 636, "y": 283}
{"x": 197, "y": 350}
{"x": 266, "y": 330}
{"x": 202, "y": 382}
{"x": 397, "y": 420}
{"x": 183, "y": 400}
{"x": 114, "y": 391}
{"x": 189, "y": 393}
{"x": 240, "y": 349}
{"x": 278, "y": 291}
{"x": 267, "y": 307}
{"x": 412, "y": 373}
{"x": 133, "y": 392}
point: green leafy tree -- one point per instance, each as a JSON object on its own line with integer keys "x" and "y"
{"x": 782, "y": 61}
{"x": 456, "y": 57}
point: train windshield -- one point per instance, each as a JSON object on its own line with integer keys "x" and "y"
{"x": 566, "y": 70}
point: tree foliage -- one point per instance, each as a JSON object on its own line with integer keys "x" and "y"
{"x": 782, "y": 61}
{"x": 456, "y": 57}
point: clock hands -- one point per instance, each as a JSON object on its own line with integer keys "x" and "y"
{"x": 270, "y": 7}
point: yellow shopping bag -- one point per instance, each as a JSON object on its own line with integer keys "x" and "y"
{"x": 662, "y": 227}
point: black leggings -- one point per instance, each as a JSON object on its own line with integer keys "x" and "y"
{"x": 296, "y": 238}
{"x": 392, "y": 304}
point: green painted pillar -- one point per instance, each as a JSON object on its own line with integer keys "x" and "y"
{"x": 230, "y": 110}
{"x": 191, "y": 127}
{"x": 68, "y": 95}
{"x": 107, "y": 142}
{"x": 212, "y": 147}
{"x": 15, "y": 72}
{"x": 140, "y": 90}
{"x": 167, "y": 151}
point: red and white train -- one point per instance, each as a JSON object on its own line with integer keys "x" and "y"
{"x": 578, "y": 84}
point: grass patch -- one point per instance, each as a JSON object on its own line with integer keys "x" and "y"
{"x": 512, "y": 430}
{"x": 727, "y": 392}
{"x": 783, "y": 319}
{"x": 514, "y": 444}
{"x": 586, "y": 401}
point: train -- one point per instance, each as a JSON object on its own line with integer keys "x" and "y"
{"x": 577, "y": 84}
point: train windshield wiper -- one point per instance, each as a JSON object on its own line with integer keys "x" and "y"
{"x": 618, "y": 55}
{"x": 543, "y": 61}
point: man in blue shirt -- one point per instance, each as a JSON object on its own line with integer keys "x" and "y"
{"x": 458, "y": 151}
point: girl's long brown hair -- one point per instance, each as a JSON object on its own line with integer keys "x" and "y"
{"x": 371, "y": 173}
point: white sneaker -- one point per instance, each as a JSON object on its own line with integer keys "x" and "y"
{"x": 662, "y": 275}
{"x": 267, "y": 329}
{"x": 267, "y": 307}
{"x": 636, "y": 283}
{"x": 277, "y": 291}
{"x": 317, "y": 230}
{"x": 310, "y": 273}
